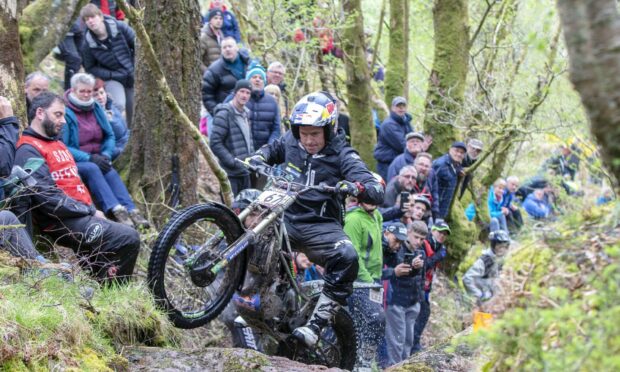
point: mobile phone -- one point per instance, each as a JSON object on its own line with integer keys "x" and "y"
{"x": 404, "y": 198}
{"x": 409, "y": 257}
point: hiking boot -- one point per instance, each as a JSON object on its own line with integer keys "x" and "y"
{"x": 324, "y": 312}
{"x": 121, "y": 215}
{"x": 138, "y": 220}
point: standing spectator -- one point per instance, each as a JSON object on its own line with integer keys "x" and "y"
{"x": 474, "y": 148}
{"x": 220, "y": 78}
{"x": 495, "y": 201}
{"x": 537, "y": 205}
{"x": 108, "y": 53}
{"x": 479, "y": 280}
{"x": 90, "y": 139}
{"x": 406, "y": 276}
{"x": 231, "y": 26}
{"x": 232, "y": 136}
{"x": 391, "y": 141}
{"x": 426, "y": 182}
{"x": 405, "y": 182}
{"x": 61, "y": 205}
{"x": 275, "y": 75}
{"x": 514, "y": 219}
{"x": 275, "y": 92}
{"x": 435, "y": 253}
{"x": 210, "y": 38}
{"x": 448, "y": 168}
{"x": 35, "y": 84}
{"x": 413, "y": 146}
{"x": 363, "y": 225}
{"x": 119, "y": 127}
{"x": 264, "y": 110}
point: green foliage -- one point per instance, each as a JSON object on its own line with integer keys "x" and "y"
{"x": 46, "y": 322}
{"x": 569, "y": 319}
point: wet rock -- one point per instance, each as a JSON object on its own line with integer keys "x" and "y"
{"x": 211, "y": 359}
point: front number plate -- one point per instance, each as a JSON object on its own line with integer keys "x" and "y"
{"x": 376, "y": 295}
{"x": 272, "y": 198}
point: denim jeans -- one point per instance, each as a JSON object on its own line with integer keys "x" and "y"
{"x": 108, "y": 190}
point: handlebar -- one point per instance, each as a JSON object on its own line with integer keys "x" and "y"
{"x": 280, "y": 180}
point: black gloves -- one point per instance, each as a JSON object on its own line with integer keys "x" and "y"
{"x": 349, "y": 188}
{"x": 102, "y": 162}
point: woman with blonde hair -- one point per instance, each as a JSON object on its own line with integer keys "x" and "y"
{"x": 276, "y": 93}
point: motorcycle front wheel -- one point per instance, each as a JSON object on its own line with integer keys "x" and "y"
{"x": 192, "y": 237}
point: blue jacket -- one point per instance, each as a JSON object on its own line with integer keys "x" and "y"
{"x": 405, "y": 290}
{"x": 495, "y": 206}
{"x": 119, "y": 126}
{"x": 114, "y": 60}
{"x": 230, "y": 27}
{"x": 536, "y": 208}
{"x": 71, "y": 134}
{"x": 391, "y": 141}
{"x": 264, "y": 117}
{"x": 508, "y": 198}
{"x": 406, "y": 158}
{"x": 447, "y": 174}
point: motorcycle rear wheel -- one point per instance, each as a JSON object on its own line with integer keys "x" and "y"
{"x": 197, "y": 232}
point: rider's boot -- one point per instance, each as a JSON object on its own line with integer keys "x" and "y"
{"x": 324, "y": 312}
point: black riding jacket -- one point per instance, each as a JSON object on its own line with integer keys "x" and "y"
{"x": 336, "y": 162}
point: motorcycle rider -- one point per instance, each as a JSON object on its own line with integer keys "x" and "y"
{"x": 314, "y": 152}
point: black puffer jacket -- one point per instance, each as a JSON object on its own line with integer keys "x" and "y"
{"x": 265, "y": 118}
{"x": 112, "y": 59}
{"x": 9, "y": 132}
{"x": 336, "y": 162}
{"x": 227, "y": 140}
{"x": 218, "y": 81}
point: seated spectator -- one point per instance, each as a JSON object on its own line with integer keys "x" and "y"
{"x": 90, "y": 139}
{"x": 108, "y": 53}
{"x": 220, "y": 78}
{"x": 607, "y": 195}
{"x": 528, "y": 187}
{"x": 514, "y": 219}
{"x": 537, "y": 205}
{"x": 210, "y": 37}
{"x": 495, "y": 202}
{"x": 61, "y": 204}
{"x": 119, "y": 127}
{"x": 363, "y": 225}
{"x": 15, "y": 239}
{"x": 435, "y": 253}
{"x": 391, "y": 141}
{"x": 448, "y": 169}
{"x": 230, "y": 28}
{"x": 563, "y": 164}
{"x": 35, "y": 84}
{"x": 413, "y": 146}
{"x": 405, "y": 182}
{"x": 426, "y": 182}
{"x": 405, "y": 271}
{"x": 474, "y": 149}
{"x": 479, "y": 280}
{"x": 232, "y": 136}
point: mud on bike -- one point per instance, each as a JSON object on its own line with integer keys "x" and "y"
{"x": 205, "y": 254}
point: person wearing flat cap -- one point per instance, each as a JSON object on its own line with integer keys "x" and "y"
{"x": 232, "y": 136}
{"x": 447, "y": 169}
{"x": 414, "y": 144}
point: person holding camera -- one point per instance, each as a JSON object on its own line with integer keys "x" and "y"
{"x": 405, "y": 272}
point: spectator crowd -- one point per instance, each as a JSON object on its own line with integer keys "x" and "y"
{"x": 79, "y": 199}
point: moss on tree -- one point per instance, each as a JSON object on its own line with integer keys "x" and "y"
{"x": 396, "y": 71}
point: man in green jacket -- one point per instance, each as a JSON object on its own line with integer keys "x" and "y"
{"x": 363, "y": 224}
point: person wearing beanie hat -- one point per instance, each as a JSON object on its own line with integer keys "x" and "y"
{"x": 211, "y": 36}
{"x": 231, "y": 136}
{"x": 230, "y": 27}
{"x": 257, "y": 71}
{"x": 405, "y": 270}
{"x": 447, "y": 169}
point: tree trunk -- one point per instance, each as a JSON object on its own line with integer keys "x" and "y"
{"x": 157, "y": 134}
{"x": 363, "y": 135}
{"x": 447, "y": 81}
{"x": 396, "y": 71}
{"x": 43, "y": 25}
{"x": 592, "y": 35}
{"x": 11, "y": 64}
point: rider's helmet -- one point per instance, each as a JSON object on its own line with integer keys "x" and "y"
{"x": 498, "y": 237}
{"x": 245, "y": 198}
{"x": 316, "y": 109}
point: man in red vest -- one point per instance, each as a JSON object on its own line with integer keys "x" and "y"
{"x": 61, "y": 204}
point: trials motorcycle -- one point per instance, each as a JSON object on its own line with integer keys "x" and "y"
{"x": 206, "y": 253}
